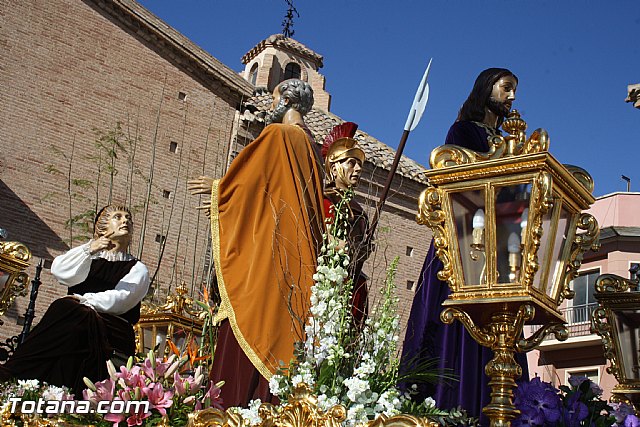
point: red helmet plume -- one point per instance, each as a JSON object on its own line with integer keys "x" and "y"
{"x": 344, "y": 130}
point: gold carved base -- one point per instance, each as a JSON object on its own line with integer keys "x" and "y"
{"x": 502, "y": 334}
{"x": 301, "y": 411}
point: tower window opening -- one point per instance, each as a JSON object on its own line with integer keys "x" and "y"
{"x": 292, "y": 71}
{"x": 253, "y": 74}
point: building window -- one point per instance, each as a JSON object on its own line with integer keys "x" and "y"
{"x": 292, "y": 71}
{"x": 253, "y": 74}
{"x": 584, "y": 302}
{"x": 166, "y": 194}
{"x": 182, "y": 96}
{"x": 160, "y": 238}
{"x": 173, "y": 146}
{"x": 592, "y": 373}
{"x": 409, "y": 251}
{"x": 411, "y": 285}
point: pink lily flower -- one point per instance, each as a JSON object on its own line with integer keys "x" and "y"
{"x": 116, "y": 419}
{"x": 158, "y": 397}
{"x": 212, "y": 396}
{"x": 105, "y": 390}
{"x": 131, "y": 378}
{"x": 185, "y": 386}
{"x": 137, "y": 419}
{"x": 154, "y": 373}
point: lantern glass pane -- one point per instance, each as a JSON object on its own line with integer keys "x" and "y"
{"x": 560, "y": 240}
{"x": 627, "y": 322}
{"x": 511, "y": 202}
{"x": 468, "y": 213}
{"x": 155, "y": 335}
{"x": 545, "y": 243}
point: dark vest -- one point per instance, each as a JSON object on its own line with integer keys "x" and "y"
{"x": 104, "y": 276}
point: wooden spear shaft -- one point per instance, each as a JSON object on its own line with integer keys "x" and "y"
{"x": 415, "y": 114}
{"x": 387, "y": 185}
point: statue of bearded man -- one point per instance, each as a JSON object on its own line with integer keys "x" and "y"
{"x": 266, "y": 226}
{"x": 427, "y": 338}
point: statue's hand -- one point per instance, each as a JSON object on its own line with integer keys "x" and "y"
{"x": 102, "y": 243}
{"x": 200, "y": 185}
{"x": 206, "y": 207}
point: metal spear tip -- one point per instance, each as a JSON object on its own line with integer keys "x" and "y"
{"x": 419, "y": 101}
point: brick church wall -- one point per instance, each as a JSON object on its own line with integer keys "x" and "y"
{"x": 68, "y": 69}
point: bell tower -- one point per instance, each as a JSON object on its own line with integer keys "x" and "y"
{"x": 278, "y": 58}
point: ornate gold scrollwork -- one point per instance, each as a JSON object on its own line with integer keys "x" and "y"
{"x": 515, "y": 143}
{"x": 15, "y": 250}
{"x": 613, "y": 283}
{"x": 517, "y": 139}
{"x": 301, "y": 411}
{"x": 402, "y": 421}
{"x": 214, "y": 417}
{"x": 537, "y": 142}
{"x": 14, "y": 259}
{"x": 483, "y": 337}
{"x": 430, "y": 213}
{"x": 601, "y": 326}
{"x": 542, "y": 196}
{"x": 581, "y": 243}
{"x": 582, "y": 176}
{"x": 560, "y": 331}
{"x": 500, "y": 334}
{"x": 18, "y": 288}
{"x": 454, "y": 155}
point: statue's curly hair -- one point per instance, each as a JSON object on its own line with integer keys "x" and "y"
{"x": 299, "y": 94}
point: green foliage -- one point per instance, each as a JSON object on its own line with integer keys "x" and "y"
{"x": 82, "y": 183}
{"x": 82, "y": 223}
{"x": 457, "y": 417}
{"x": 53, "y": 170}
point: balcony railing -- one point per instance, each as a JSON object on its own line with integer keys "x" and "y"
{"x": 578, "y": 319}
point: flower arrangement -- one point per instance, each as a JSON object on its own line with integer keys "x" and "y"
{"x": 163, "y": 395}
{"x": 345, "y": 362}
{"x": 541, "y": 404}
{"x": 171, "y": 395}
{"x": 31, "y": 391}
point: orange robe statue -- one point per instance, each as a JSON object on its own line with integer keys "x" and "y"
{"x": 266, "y": 223}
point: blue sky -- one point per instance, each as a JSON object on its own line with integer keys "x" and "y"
{"x": 574, "y": 60}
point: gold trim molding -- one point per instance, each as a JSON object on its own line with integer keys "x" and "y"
{"x": 301, "y": 411}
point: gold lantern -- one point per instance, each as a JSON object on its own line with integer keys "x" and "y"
{"x": 617, "y": 321}
{"x": 14, "y": 259}
{"x": 175, "y": 320}
{"x": 505, "y": 227}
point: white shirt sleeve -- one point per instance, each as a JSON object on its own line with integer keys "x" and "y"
{"x": 72, "y": 267}
{"x": 128, "y": 292}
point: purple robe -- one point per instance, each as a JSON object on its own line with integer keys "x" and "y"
{"x": 427, "y": 337}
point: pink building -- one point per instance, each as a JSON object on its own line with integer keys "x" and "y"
{"x": 618, "y": 215}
